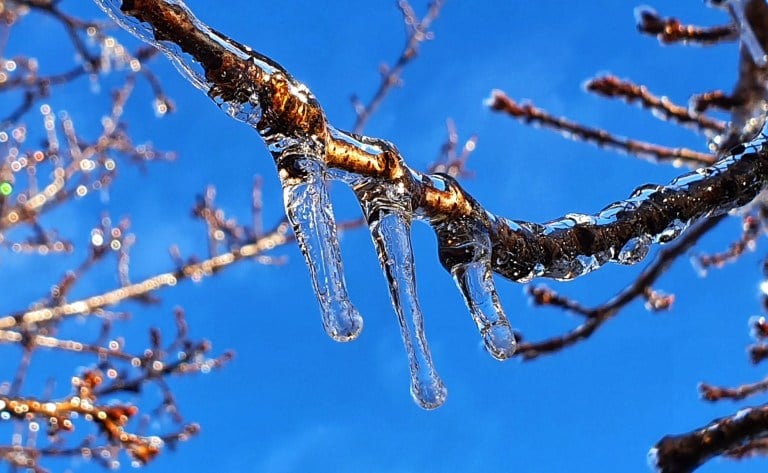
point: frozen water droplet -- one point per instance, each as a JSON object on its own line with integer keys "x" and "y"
{"x": 653, "y": 459}
{"x": 634, "y": 250}
{"x": 309, "y": 210}
{"x": 672, "y": 231}
{"x": 644, "y": 192}
{"x": 391, "y": 235}
{"x": 247, "y": 112}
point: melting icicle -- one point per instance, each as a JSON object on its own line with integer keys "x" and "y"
{"x": 475, "y": 281}
{"x": 474, "y": 278}
{"x": 391, "y": 234}
{"x": 309, "y": 210}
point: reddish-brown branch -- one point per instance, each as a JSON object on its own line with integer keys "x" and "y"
{"x": 417, "y": 31}
{"x": 530, "y": 114}
{"x": 717, "y": 393}
{"x": 726, "y": 436}
{"x": 671, "y": 30}
{"x": 716, "y": 99}
{"x": 597, "y": 316}
{"x": 752, "y": 227}
{"x": 662, "y": 107}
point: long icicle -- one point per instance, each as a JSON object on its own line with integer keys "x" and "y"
{"x": 388, "y": 209}
{"x": 391, "y": 235}
{"x": 308, "y": 207}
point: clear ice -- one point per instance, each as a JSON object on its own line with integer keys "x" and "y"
{"x": 388, "y": 210}
{"x": 305, "y": 193}
{"x": 308, "y": 207}
{"x": 391, "y": 235}
{"x": 465, "y": 251}
{"x": 188, "y": 68}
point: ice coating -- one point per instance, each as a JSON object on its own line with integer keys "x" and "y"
{"x": 309, "y": 210}
{"x": 624, "y": 231}
{"x": 191, "y": 70}
{"x": 299, "y": 157}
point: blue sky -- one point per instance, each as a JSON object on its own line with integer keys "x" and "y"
{"x": 293, "y": 400}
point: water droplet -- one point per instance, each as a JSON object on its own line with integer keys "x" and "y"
{"x": 672, "y": 231}
{"x": 634, "y": 251}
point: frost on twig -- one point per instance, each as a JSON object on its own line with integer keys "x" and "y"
{"x": 307, "y": 150}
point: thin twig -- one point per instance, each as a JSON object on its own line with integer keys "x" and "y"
{"x": 528, "y": 113}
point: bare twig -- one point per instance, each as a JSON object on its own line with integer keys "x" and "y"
{"x": 530, "y": 114}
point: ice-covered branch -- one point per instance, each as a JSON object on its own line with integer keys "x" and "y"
{"x": 530, "y": 114}
{"x": 671, "y": 30}
{"x": 685, "y": 453}
{"x": 611, "y": 86}
{"x": 472, "y": 241}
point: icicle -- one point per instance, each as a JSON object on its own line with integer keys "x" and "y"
{"x": 634, "y": 251}
{"x": 391, "y": 234}
{"x": 388, "y": 209}
{"x": 309, "y": 210}
{"x": 465, "y": 251}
